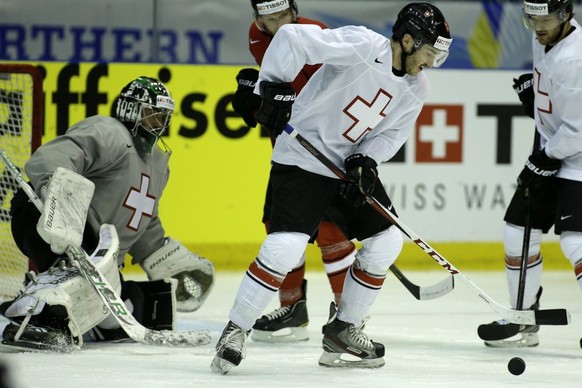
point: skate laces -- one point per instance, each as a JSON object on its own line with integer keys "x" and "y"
{"x": 233, "y": 338}
{"x": 278, "y": 313}
{"x": 358, "y": 337}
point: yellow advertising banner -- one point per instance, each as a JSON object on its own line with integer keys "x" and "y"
{"x": 219, "y": 166}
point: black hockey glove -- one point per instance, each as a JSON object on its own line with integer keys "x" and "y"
{"x": 244, "y": 101}
{"x": 538, "y": 169}
{"x": 523, "y": 86}
{"x": 361, "y": 177}
{"x": 275, "y": 111}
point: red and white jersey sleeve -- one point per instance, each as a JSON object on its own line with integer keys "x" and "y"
{"x": 558, "y": 101}
{"x": 259, "y": 42}
{"x": 353, "y": 104}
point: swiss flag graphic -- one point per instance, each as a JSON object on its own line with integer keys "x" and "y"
{"x": 439, "y": 134}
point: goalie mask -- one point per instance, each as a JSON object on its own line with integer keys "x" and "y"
{"x": 427, "y": 25}
{"x": 546, "y": 14}
{"x": 145, "y": 107}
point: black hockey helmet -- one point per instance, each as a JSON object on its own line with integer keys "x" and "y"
{"x": 427, "y": 25}
{"x": 145, "y": 107}
{"x": 266, "y": 7}
{"x": 561, "y": 10}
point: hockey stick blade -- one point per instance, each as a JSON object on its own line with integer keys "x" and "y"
{"x": 522, "y": 317}
{"x": 108, "y": 246}
{"x": 425, "y": 292}
{"x": 495, "y": 332}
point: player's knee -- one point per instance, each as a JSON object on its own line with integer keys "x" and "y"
{"x": 513, "y": 240}
{"x": 380, "y": 251}
{"x": 282, "y": 251}
{"x": 571, "y": 244}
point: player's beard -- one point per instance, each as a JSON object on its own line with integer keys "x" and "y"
{"x": 412, "y": 64}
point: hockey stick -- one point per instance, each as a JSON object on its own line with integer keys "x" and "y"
{"x": 424, "y": 292}
{"x": 494, "y": 331}
{"x": 523, "y": 317}
{"x": 106, "y": 292}
{"x": 524, "y": 250}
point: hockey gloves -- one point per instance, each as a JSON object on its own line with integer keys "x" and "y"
{"x": 523, "y": 86}
{"x": 245, "y": 102}
{"x": 275, "y": 111}
{"x": 361, "y": 177}
{"x": 538, "y": 169}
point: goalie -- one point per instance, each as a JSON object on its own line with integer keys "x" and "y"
{"x": 104, "y": 172}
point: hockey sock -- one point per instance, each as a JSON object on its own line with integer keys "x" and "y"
{"x": 290, "y": 291}
{"x": 533, "y": 279}
{"x": 257, "y": 289}
{"x": 337, "y": 253}
{"x": 360, "y": 292}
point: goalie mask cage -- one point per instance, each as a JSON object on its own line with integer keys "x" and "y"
{"x": 20, "y": 134}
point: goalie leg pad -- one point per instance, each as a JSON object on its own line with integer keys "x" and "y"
{"x": 154, "y": 302}
{"x": 195, "y": 274}
{"x": 63, "y": 289}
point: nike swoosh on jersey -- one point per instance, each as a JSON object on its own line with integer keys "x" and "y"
{"x": 254, "y": 41}
{"x": 378, "y": 61}
{"x": 562, "y": 218}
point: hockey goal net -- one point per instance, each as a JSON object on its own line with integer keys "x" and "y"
{"x": 20, "y": 134}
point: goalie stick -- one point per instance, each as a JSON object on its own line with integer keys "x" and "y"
{"x": 522, "y": 317}
{"x": 101, "y": 285}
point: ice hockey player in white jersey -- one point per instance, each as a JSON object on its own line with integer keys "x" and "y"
{"x": 358, "y": 109}
{"x": 103, "y": 170}
{"x": 550, "y": 184}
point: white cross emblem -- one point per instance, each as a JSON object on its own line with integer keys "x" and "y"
{"x": 439, "y": 133}
{"x": 140, "y": 202}
{"x": 366, "y": 115}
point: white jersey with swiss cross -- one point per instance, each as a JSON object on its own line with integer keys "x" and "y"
{"x": 127, "y": 187}
{"x": 558, "y": 101}
{"x": 352, "y": 104}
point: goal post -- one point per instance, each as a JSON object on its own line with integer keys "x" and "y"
{"x": 21, "y": 121}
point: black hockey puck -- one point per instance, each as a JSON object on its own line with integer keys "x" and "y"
{"x": 516, "y": 366}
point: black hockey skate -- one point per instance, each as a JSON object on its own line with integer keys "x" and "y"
{"x": 230, "y": 349}
{"x": 284, "y": 324}
{"x": 502, "y": 334}
{"x": 346, "y": 346}
{"x": 20, "y": 336}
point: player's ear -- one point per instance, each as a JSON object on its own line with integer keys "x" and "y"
{"x": 407, "y": 42}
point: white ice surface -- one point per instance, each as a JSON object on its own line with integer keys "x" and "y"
{"x": 428, "y": 344}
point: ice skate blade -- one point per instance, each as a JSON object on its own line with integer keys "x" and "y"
{"x": 288, "y": 334}
{"x": 221, "y": 366}
{"x": 345, "y": 360}
{"x": 522, "y": 340}
{"x": 34, "y": 347}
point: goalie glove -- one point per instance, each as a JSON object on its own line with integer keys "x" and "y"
{"x": 66, "y": 203}
{"x": 523, "y": 86}
{"x": 245, "y": 102}
{"x": 195, "y": 274}
{"x": 361, "y": 177}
